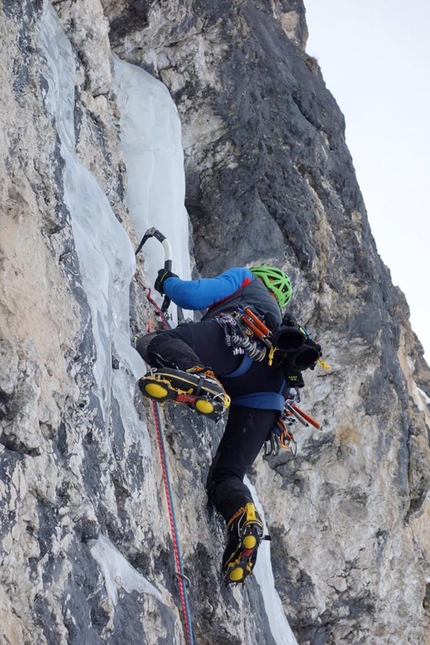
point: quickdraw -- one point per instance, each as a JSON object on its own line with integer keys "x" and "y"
{"x": 259, "y": 330}
{"x": 238, "y": 338}
{"x": 281, "y": 435}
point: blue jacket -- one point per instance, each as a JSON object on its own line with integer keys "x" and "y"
{"x": 234, "y": 288}
{"x": 206, "y": 292}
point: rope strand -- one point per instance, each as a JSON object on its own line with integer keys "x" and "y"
{"x": 173, "y": 528}
{"x": 181, "y": 577}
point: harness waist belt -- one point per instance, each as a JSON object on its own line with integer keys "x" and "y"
{"x": 261, "y": 400}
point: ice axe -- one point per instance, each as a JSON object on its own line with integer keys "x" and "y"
{"x": 153, "y": 232}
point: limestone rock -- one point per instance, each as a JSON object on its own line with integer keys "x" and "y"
{"x": 269, "y": 178}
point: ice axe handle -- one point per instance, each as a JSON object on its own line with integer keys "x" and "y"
{"x": 154, "y": 232}
{"x": 166, "y": 301}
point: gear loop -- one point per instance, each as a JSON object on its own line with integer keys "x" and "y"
{"x": 236, "y": 337}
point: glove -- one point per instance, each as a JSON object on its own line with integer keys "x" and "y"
{"x": 163, "y": 275}
{"x": 293, "y": 376}
{"x": 289, "y": 320}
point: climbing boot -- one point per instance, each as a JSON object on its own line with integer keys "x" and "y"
{"x": 197, "y": 387}
{"x": 245, "y": 532}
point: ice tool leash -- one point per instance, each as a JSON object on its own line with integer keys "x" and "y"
{"x": 179, "y": 568}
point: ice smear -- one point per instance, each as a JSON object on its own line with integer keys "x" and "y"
{"x": 118, "y": 572}
{"x": 152, "y": 149}
{"x": 134, "y": 427}
{"x": 105, "y": 253}
{"x": 279, "y": 626}
{"x": 424, "y": 395}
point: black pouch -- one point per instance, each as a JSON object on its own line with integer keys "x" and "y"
{"x": 306, "y": 357}
{"x": 287, "y": 339}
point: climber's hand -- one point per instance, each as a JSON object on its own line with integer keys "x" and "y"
{"x": 163, "y": 275}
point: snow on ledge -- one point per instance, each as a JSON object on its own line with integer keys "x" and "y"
{"x": 424, "y": 395}
{"x": 118, "y": 572}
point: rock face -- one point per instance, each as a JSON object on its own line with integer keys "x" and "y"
{"x": 269, "y": 178}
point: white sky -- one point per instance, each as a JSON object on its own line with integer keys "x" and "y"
{"x": 375, "y": 58}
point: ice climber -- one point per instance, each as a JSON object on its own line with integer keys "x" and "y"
{"x": 218, "y": 364}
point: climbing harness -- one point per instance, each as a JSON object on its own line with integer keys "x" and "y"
{"x": 245, "y": 332}
{"x": 179, "y": 569}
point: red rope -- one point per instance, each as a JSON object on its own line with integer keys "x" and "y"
{"x": 167, "y": 488}
{"x": 156, "y": 306}
{"x": 173, "y": 528}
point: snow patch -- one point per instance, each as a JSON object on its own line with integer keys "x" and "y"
{"x": 424, "y": 395}
{"x": 118, "y": 572}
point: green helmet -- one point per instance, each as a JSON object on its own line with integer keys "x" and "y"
{"x": 276, "y": 281}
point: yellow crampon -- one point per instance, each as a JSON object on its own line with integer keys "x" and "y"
{"x": 245, "y": 531}
{"x": 202, "y": 392}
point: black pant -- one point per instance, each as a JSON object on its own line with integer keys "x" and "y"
{"x": 247, "y": 428}
{"x": 246, "y": 431}
{"x": 192, "y": 344}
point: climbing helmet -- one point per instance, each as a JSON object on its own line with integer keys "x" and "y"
{"x": 276, "y": 281}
